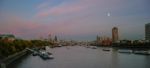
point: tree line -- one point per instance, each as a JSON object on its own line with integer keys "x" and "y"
{"x": 9, "y": 48}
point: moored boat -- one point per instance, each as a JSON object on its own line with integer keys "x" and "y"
{"x": 142, "y": 52}
{"x": 106, "y": 49}
{"x": 35, "y": 53}
{"x": 46, "y": 55}
{"x": 125, "y": 51}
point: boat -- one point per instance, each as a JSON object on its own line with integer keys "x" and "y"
{"x": 35, "y": 53}
{"x": 46, "y": 55}
{"x": 142, "y": 52}
{"x": 94, "y": 47}
{"x": 125, "y": 51}
{"x": 59, "y": 45}
{"x": 106, "y": 49}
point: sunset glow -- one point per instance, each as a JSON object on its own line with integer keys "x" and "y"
{"x": 71, "y": 18}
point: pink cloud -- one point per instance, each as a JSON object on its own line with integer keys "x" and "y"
{"x": 72, "y": 26}
{"x": 16, "y": 25}
{"x": 63, "y": 8}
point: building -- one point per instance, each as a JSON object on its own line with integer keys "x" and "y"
{"x": 104, "y": 41}
{"x": 147, "y": 31}
{"x": 7, "y": 37}
{"x": 115, "y": 36}
{"x": 98, "y": 39}
{"x": 55, "y": 39}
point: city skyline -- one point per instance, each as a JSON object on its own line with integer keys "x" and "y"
{"x": 74, "y": 19}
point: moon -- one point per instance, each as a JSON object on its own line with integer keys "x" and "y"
{"x": 108, "y": 14}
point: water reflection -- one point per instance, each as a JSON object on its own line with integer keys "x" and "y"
{"x": 114, "y": 59}
{"x": 82, "y": 57}
{"x": 147, "y": 61}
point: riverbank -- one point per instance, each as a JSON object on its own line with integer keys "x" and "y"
{"x": 10, "y": 59}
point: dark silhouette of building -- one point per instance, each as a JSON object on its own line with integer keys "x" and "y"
{"x": 147, "y": 31}
{"x": 56, "y": 38}
{"x": 115, "y": 36}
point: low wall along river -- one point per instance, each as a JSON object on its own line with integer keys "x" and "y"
{"x": 5, "y": 62}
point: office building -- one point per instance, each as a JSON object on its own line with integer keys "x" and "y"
{"x": 147, "y": 31}
{"x": 115, "y": 36}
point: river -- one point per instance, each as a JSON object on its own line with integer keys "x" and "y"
{"x": 82, "y": 57}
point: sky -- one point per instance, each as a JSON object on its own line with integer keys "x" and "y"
{"x": 74, "y": 19}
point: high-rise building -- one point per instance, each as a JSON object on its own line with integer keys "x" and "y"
{"x": 55, "y": 39}
{"x": 115, "y": 36}
{"x": 147, "y": 31}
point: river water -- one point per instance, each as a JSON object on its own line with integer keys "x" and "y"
{"x": 82, "y": 57}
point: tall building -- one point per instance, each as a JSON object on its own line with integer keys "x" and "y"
{"x": 115, "y": 36}
{"x": 147, "y": 31}
{"x": 55, "y": 39}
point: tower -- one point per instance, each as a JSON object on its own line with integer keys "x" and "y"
{"x": 147, "y": 31}
{"x": 115, "y": 36}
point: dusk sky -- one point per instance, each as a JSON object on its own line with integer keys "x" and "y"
{"x": 74, "y": 19}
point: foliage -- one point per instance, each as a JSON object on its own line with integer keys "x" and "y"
{"x": 9, "y": 48}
